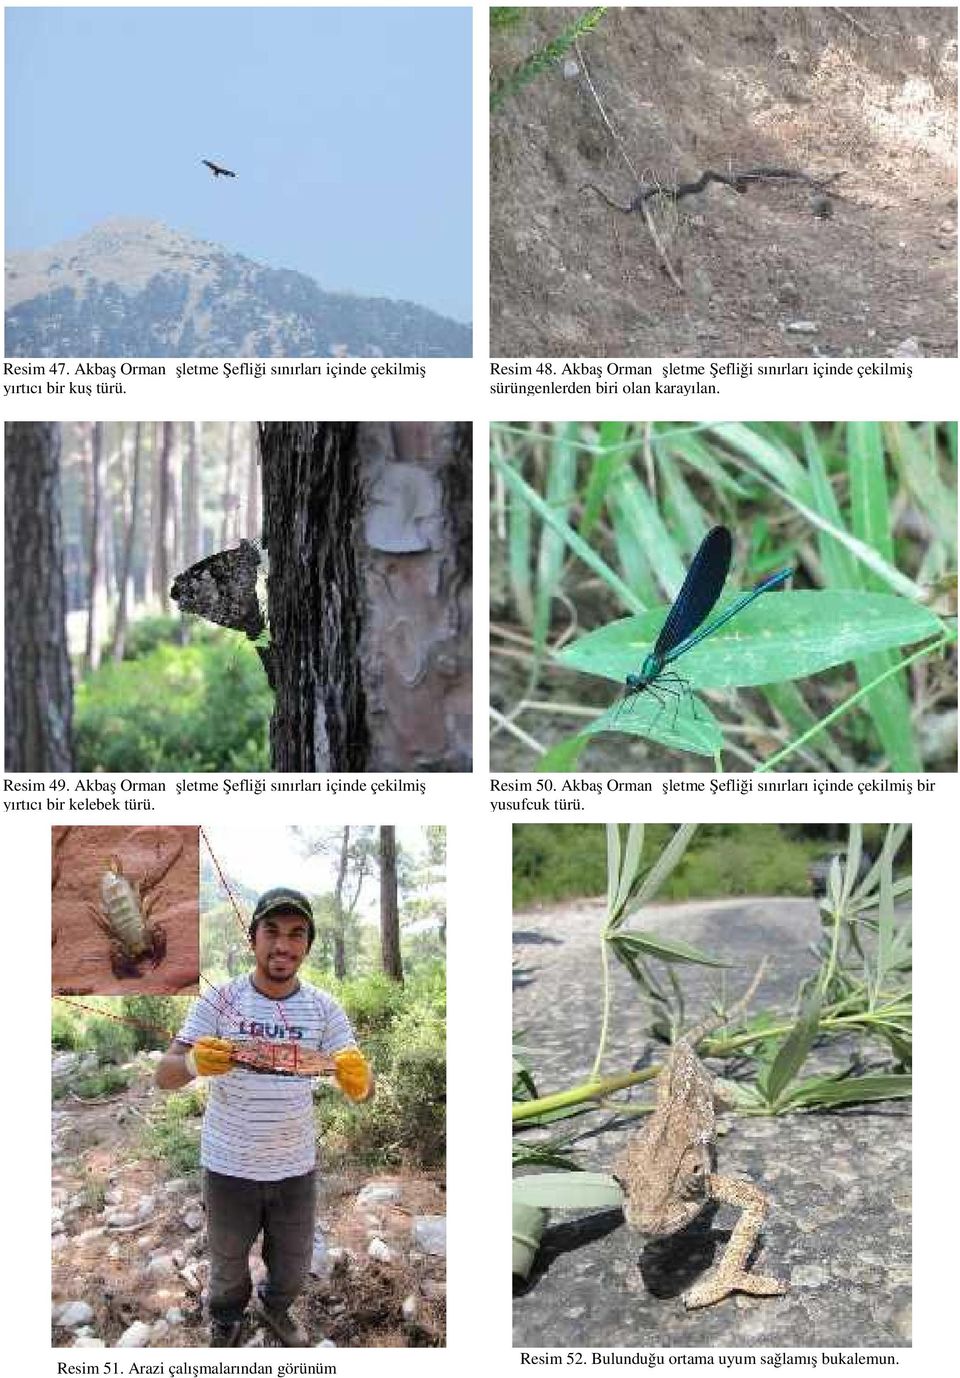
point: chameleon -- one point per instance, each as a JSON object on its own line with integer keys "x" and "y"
{"x": 668, "y": 1171}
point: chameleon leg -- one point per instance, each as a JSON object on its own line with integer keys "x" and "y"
{"x": 730, "y": 1274}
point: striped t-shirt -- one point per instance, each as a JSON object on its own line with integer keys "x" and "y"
{"x": 259, "y": 1125}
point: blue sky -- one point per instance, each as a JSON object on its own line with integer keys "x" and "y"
{"x": 349, "y": 129}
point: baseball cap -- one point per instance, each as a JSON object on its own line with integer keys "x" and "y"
{"x": 282, "y": 899}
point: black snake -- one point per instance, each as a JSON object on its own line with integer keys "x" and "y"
{"x": 739, "y": 181}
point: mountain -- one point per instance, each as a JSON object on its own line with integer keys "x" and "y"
{"x": 139, "y": 289}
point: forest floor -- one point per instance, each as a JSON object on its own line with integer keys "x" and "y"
{"x": 129, "y": 1243}
{"x": 871, "y": 95}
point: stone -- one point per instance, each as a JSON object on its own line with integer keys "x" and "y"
{"x": 802, "y": 327}
{"x": 174, "y": 1316}
{"x": 378, "y": 1194}
{"x": 89, "y": 1342}
{"x": 120, "y": 1220}
{"x": 162, "y": 1266}
{"x": 379, "y": 1250}
{"x": 136, "y": 1336}
{"x": 193, "y": 1218}
{"x": 146, "y": 1207}
{"x": 410, "y": 1307}
{"x": 74, "y": 1314}
{"x": 430, "y": 1234}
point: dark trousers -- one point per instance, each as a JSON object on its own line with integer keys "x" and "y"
{"x": 237, "y": 1210}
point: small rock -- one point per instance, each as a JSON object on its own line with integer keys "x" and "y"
{"x": 119, "y": 1220}
{"x": 112, "y": 1196}
{"x": 378, "y": 1194}
{"x": 430, "y": 1234}
{"x": 907, "y": 349}
{"x": 802, "y": 327}
{"x": 94, "y": 1232}
{"x": 189, "y": 1275}
{"x": 320, "y": 1263}
{"x": 58, "y": 1242}
{"x": 809, "y": 1275}
{"x": 174, "y": 1316}
{"x": 136, "y": 1336}
{"x": 162, "y": 1266}
{"x": 193, "y": 1218}
{"x": 379, "y": 1250}
{"x": 570, "y": 68}
{"x": 410, "y": 1307}
{"x": 175, "y": 1186}
{"x": 146, "y": 1207}
{"x": 74, "y": 1314}
{"x": 89, "y": 1342}
{"x": 114, "y": 1250}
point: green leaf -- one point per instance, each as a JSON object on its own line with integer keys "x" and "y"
{"x": 686, "y": 726}
{"x": 794, "y": 1049}
{"x": 783, "y": 636}
{"x": 668, "y": 950}
{"x": 567, "y": 1190}
{"x": 820, "y": 1091}
{"x": 565, "y": 754}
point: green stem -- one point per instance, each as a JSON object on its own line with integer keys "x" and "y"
{"x": 852, "y": 701}
{"x": 598, "y": 1089}
{"x": 576, "y": 1095}
{"x": 605, "y": 1019}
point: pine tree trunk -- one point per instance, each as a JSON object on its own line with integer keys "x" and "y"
{"x": 368, "y": 532}
{"x": 390, "y": 960}
{"x": 339, "y": 921}
{"x": 95, "y": 573}
{"x": 125, "y": 577}
{"x": 38, "y": 692}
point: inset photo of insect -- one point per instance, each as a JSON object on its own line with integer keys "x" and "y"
{"x": 747, "y": 596}
{"x": 712, "y": 1085}
{"x": 263, "y": 1164}
{"x": 227, "y": 596}
{"x": 125, "y": 910}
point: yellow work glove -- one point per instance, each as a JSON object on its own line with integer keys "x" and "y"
{"x": 352, "y": 1073}
{"x": 210, "y": 1057}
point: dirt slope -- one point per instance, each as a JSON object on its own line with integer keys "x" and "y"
{"x": 870, "y": 93}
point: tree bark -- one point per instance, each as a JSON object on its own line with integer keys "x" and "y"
{"x": 192, "y": 547}
{"x": 339, "y": 922}
{"x": 253, "y": 485}
{"x": 38, "y": 692}
{"x": 125, "y": 577}
{"x": 368, "y": 530}
{"x": 161, "y": 560}
{"x": 228, "y": 500}
{"x": 96, "y": 586}
{"x": 390, "y": 960}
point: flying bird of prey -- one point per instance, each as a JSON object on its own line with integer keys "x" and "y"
{"x": 216, "y": 170}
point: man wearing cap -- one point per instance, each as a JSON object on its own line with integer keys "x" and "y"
{"x": 257, "y": 1146}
